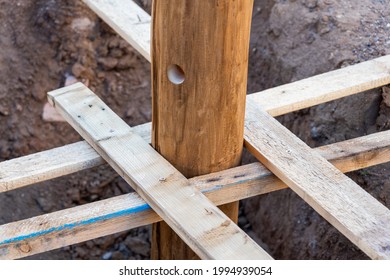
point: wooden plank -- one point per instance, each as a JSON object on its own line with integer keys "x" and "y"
{"x": 70, "y": 226}
{"x": 347, "y": 156}
{"x": 128, "y": 20}
{"x": 39, "y": 167}
{"x": 279, "y": 100}
{"x": 254, "y": 179}
{"x": 58, "y": 229}
{"x": 323, "y": 88}
{"x": 23, "y": 171}
{"x": 198, "y": 122}
{"x": 356, "y": 214}
{"x": 46, "y": 165}
{"x": 354, "y": 154}
{"x": 194, "y": 218}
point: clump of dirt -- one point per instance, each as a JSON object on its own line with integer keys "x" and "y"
{"x": 44, "y": 43}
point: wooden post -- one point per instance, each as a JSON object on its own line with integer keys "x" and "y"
{"x": 199, "y": 78}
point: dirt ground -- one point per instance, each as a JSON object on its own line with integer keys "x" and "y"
{"x": 44, "y": 43}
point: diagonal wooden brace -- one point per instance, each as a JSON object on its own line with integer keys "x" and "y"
{"x": 209, "y": 232}
{"x": 343, "y": 203}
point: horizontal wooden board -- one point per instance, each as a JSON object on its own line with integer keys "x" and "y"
{"x": 323, "y": 88}
{"x": 46, "y": 165}
{"x": 70, "y": 226}
{"x": 354, "y": 154}
{"x": 198, "y": 222}
{"x": 355, "y": 213}
{"x": 276, "y": 101}
{"x": 75, "y": 157}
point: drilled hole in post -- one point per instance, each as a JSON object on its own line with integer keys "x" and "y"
{"x": 176, "y": 74}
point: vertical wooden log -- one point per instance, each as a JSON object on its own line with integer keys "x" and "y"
{"x": 199, "y": 78}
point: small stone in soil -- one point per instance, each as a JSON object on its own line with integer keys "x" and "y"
{"x": 50, "y": 114}
{"x": 386, "y": 95}
{"x": 82, "y": 24}
{"x": 107, "y": 255}
{"x": 70, "y": 80}
{"x": 44, "y": 204}
{"x": 108, "y": 63}
{"x": 4, "y": 111}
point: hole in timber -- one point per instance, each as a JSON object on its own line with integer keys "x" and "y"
{"x": 176, "y": 74}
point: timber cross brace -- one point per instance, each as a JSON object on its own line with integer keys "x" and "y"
{"x": 188, "y": 206}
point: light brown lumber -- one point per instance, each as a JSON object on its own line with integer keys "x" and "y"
{"x": 198, "y": 96}
{"x": 19, "y": 172}
{"x": 355, "y": 153}
{"x": 194, "y": 218}
{"x": 198, "y": 125}
{"x": 66, "y": 227}
{"x": 324, "y": 87}
{"x": 279, "y": 100}
{"x": 46, "y": 165}
{"x": 355, "y": 213}
{"x": 71, "y": 226}
{"x": 128, "y": 20}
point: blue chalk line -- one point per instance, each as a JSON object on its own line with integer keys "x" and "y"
{"x": 77, "y": 224}
{"x": 104, "y": 217}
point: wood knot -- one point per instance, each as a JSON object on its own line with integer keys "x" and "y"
{"x": 225, "y": 223}
{"x": 25, "y": 248}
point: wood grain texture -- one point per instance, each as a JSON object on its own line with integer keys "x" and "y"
{"x": 323, "y": 88}
{"x": 70, "y": 226}
{"x": 23, "y": 171}
{"x": 127, "y": 19}
{"x": 356, "y": 214}
{"x": 198, "y": 125}
{"x": 354, "y": 154}
{"x": 46, "y": 165}
{"x": 279, "y": 100}
{"x": 359, "y": 82}
{"x": 347, "y": 156}
{"x": 194, "y": 218}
